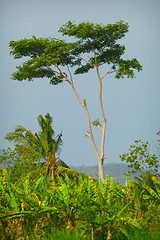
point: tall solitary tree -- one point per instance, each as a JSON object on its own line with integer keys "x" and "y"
{"x": 95, "y": 45}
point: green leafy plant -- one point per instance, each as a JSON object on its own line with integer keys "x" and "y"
{"x": 39, "y": 209}
{"x": 140, "y": 159}
{"x": 21, "y": 163}
{"x": 41, "y": 143}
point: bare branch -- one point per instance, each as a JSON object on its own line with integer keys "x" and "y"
{"x": 62, "y": 79}
{"x": 99, "y": 128}
{"x": 103, "y": 48}
{"x": 69, "y": 73}
{"x": 67, "y": 68}
{"x": 52, "y": 70}
{"x": 110, "y": 71}
{"x": 114, "y": 71}
{"x": 92, "y": 47}
{"x": 81, "y": 58}
{"x": 87, "y": 133}
{"x": 67, "y": 80}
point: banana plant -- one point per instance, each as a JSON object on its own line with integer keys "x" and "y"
{"x": 23, "y": 204}
{"x": 98, "y": 210}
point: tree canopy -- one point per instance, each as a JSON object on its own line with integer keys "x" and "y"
{"x": 48, "y": 55}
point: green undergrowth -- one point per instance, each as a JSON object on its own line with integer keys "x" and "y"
{"x": 135, "y": 235}
{"x": 79, "y": 208}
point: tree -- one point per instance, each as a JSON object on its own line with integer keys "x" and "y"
{"x": 42, "y": 142}
{"x": 20, "y": 164}
{"x": 40, "y": 145}
{"x": 30, "y": 148}
{"x": 95, "y": 46}
{"x": 139, "y": 159}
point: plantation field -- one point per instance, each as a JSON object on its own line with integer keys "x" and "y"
{"x": 79, "y": 208}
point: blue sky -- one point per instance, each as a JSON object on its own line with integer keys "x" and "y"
{"x": 131, "y": 105}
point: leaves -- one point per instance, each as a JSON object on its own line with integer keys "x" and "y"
{"x": 44, "y": 52}
{"x": 139, "y": 158}
{"x": 96, "y": 123}
{"x": 87, "y": 205}
{"x": 95, "y": 44}
{"x": 42, "y": 142}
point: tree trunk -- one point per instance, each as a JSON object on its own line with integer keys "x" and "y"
{"x": 100, "y": 157}
{"x": 100, "y": 166}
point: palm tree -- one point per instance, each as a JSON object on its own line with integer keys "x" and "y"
{"x": 44, "y": 144}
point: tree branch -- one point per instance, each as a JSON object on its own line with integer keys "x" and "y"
{"x": 103, "y": 48}
{"x": 67, "y": 68}
{"x": 55, "y": 72}
{"x": 67, "y": 80}
{"x": 69, "y": 73}
{"x": 92, "y": 47}
{"x": 87, "y": 133}
{"x": 99, "y": 128}
{"x": 81, "y": 58}
{"x": 110, "y": 71}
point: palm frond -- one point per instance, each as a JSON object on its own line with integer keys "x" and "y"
{"x": 16, "y": 136}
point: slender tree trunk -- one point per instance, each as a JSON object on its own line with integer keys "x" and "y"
{"x": 100, "y": 156}
{"x": 100, "y": 167}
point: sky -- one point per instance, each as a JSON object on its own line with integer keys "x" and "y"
{"x": 131, "y": 105}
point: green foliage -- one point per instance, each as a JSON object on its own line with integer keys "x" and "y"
{"x": 21, "y": 163}
{"x": 95, "y": 45}
{"x": 150, "y": 186}
{"x": 29, "y": 150}
{"x": 44, "y": 52}
{"x": 41, "y": 143}
{"x": 96, "y": 123}
{"x": 83, "y": 209}
{"x": 140, "y": 159}
{"x": 61, "y": 235}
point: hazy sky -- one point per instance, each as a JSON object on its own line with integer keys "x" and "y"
{"x": 131, "y": 105}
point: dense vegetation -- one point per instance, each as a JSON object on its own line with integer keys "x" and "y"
{"x": 68, "y": 204}
{"x": 35, "y": 208}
